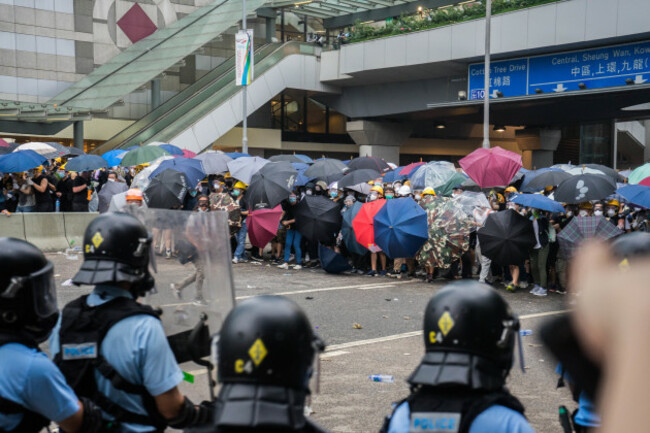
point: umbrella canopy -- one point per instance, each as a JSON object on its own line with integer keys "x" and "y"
{"x": 213, "y": 162}
{"x": 364, "y": 224}
{"x": 625, "y": 174}
{"x": 644, "y": 182}
{"x": 17, "y": 162}
{"x": 245, "y": 167}
{"x": 608, "y": 171}
{"x": 432, "y": 175}
{"x": 44, "y": 149}
{"x": 580, "y": 229}
{"x": 506, "y": 237}
{"x": 326, "y": 169}
{"x": 141, "y": 155}
{"x": 304, "y": 158}
{"x": 263, "y": 225}
{"x": 331, "y": 261}
{"x": 538, "y": 201}
{"x": 401, "y": 227}
{"x": 272, "y": 184}
{"x": 639, "y": 173}
{"x": 170, "y": 148}
{"x": 286, "y": 158}
{"x": 9, "y": 148}
{"x": 369, "y": 162}
{"x": 191, "y": 168}
{"x": 449, "y": 230}
{"x": 106, "y": 194}
{"x": 317, "y": 218}
{"x": 491, "y": 167}
{"x": 470, "y": 201}
{"x": 86, "y": 163}
{"x": 64, "y": 150}
{"x": 301, "y": 179}
{"x": 539, "y": 179}
{"x": 584, "y": 187}
{"x": 3, "y": 143}
{"x": 447, "y": 188}
{"x": 235, "y": 155}
{"x": 394, "y": 175}
{"x": 407, "y": 170}
{"x": 114, "y": 157}
{"x": 583, "y": 169}
{"x": 188, "y": 154}
{"x": 166, "y": 190}
{"x": 358, "y": 176}
{"x": 141, "y": 180}
{"x": 347, "y": 231}
{"x": 636, "y": 194}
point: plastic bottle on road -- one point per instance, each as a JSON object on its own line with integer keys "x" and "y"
{"x": 382, "y": 378}
{"x": 57, "y": 205}
{"x": 525, "y": 332}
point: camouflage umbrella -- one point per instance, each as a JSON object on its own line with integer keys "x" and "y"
{"x": 449, "y": 229}
{"x": 221, "y": 201}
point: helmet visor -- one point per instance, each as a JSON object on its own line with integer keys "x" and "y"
{"x": 44, "y": 291}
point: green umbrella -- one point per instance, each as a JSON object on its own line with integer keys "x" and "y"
{"x": 142, "y": 155}
{"x": 638, "y": 174}
{"x": 447, "y": 187}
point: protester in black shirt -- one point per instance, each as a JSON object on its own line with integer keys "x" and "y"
{"x": 80, "y": 185}
{"x": 41, "y": 187}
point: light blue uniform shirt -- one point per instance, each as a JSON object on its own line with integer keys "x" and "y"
{"x": 30, "y": 379}
{"x": 495, "y": 419}
{"x": 138, "y": 349}
{"x": 586, "y": 415}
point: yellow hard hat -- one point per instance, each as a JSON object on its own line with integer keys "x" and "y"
{"x": 510, "y": 189}
{"x": 500, "y": 198}
{"x": 549, "y": 188}
{"x": 378, "y": 189}
{"x": 240, "y": 185}
{"x": 613, "y": 202}
{"x": 586, "y": 205}
{"x": 428, "y": 191}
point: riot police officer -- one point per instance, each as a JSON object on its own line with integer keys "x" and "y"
{"x": 266, "y": 353}
{"x": 469, "y": 337}
{"x": 113, "y": 349}
{"x": 33, "y": 391}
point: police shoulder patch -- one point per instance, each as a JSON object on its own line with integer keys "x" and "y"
{"x": 434, "y": 422}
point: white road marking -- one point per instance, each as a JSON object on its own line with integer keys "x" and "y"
{"x": 333, "y": 354}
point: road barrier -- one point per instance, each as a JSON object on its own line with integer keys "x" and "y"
{"x": 51, "y": 231}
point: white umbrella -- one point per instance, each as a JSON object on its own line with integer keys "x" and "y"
{"x": 43, "y": 149}
{"x": 584, "y": 170}
{"x": 141, "y": 180}
{"x": 245, "y": 167}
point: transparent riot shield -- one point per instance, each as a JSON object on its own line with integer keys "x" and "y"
{"x": 194, "y": 285}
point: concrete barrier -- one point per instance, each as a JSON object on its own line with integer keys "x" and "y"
{"x": 12, "y": 226}
{"x": 75, "y": 226}
{"x": 46, "y": 230}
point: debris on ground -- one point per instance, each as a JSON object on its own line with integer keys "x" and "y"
{"x": 356, "y": 326}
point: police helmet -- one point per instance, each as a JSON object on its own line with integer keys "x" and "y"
{"x": 267, "y": 340}
{"x": 631, "y": 245}
{"x": 27, "y": 290}
{"x": 117, "y": 248}
{"x": 469, "y": 338}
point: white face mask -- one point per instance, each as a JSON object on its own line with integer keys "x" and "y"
{"x": 418, "y": 197}
{"x": 110, "y": 179}
{"x": 569, "y": 214}
{"x": 611, "y": 212}
{"x": 583, "y": 213}
{"x": 308, "y": 192}
{"x": 598, "y": 212}
{"x": 372, "y": 197}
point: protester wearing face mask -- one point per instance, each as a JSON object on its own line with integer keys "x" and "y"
{"x": 293, "y": 237}
{"x": 417, "y": 195}
{"x": 389, "y": 193}
{"x": 598, "y": 209}
{"x": 240, "y": 199}
{"x": 612, "y": 215}
{"x": 585, "y": 209}
{"x": 320, "y": 188}
{"x": 405, "y": 191}
{"x": 348, "y": 202}
{"x": 376, "y": 192}
{"x": 334, "y": 193}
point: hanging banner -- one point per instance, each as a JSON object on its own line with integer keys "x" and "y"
{"x": 244, "y": 57}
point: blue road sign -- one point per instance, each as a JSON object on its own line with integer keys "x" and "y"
{"x": 595, "y": 68}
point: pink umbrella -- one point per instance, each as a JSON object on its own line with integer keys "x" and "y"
{"x": 645, "y": 182}
{"x": 409, "y": 168}
{"x": 188, "y": 153}
{"x": 263, "y": 225}
{"x": 3, "y": 143}
{"x": 491, "y": 167}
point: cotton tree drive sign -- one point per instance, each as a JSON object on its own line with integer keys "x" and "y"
{"x": 595, "y": 68}
{"x": 244, "y": 57}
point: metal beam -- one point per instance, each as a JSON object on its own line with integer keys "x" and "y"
{"x": 387, "y": 3}
{"x": 318, "y": 13}
{"x": 379, "y": 14}
{"x": 32, "y": 128}
{"x": 337, "y": 7}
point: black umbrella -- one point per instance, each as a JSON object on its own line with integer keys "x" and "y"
{"x": 331, "y": 261}
{"x": 86, "y": 163}
{"x": 329, "y": 170}
{"x": 166, "y": 190}
{"x": 506, "y": 237}
{"x": 358, "y": 176}
{"x": 271, "y": 184}
{"x": 585, "y": 187}
{"x": 318, "y": 218}
{"x": 608, "y": 171}
{"x": 544, "y": 179}
{"x": 285, "y": 158}
{"x": 369, "y": 162}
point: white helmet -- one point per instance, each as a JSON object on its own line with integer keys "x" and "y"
{"x": 404, "y": 190}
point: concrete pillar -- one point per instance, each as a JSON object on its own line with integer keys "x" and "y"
{"x": 270, "y": 29}
{"x": 155, "y": 93}
{"x": 78, "y": 134}
{"x": 537, "y": 146}
{"x": 379, "y": 139}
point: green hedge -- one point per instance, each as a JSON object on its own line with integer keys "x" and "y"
{"x": 436, "y": 18}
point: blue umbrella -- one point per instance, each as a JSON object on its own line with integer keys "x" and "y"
{"x": 331, "y": 261}
{"x": 114, "y": 157}
{"x": 235, "y": 155}
{"x": 301, "y": 179}
{"x": 401, "y": 227}
{"x": 305, "y": 158}
{"x": 300, "y": 165}
{"x": 191, "y": 168}
{"x": 347, "y": 232}
{"x": 538, "y": 201}
{"x": 173, "y": 150}
{"x": 635, "y": 194}
{"x": 86, "y": 163}
{"x": 394, "y": 175}
{"x": 22, "y": 160}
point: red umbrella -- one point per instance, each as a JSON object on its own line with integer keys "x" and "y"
{"x": 363, "y": 224}
{"x": 491, "y": 167}
{"x": 263, "y": 225}
{"x": 3, "y": 143}
{"x": 188, "y": 153}
{"x": 409, "y": 168}
{"x": 645, "y": 182}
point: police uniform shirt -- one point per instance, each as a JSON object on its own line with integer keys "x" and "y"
{"x": 495, "y": 419}
{"x": 586, "y": 415}
{"x": 138, "y": 349}
{"x": 34, "y": 382}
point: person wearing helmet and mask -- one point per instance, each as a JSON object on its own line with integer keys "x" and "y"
{"x": 389, "y": 193}
{"x": 320, "y": 188}
{"x": 428, "y": 194}
{"x": 612, "y": 215}
{"x": 585, "y": 209}
{"x": 510, "y": 192}
{"x": 33, "y": 391}
{"x": 238, "y": 193}
{"x": 376, "y": 192}
{"x": 112, "y": 349}
{"x": 293, "y": 237}
{"x": 265, "y": 357}
{"x": 405, "y": 191}
{"x": 459, "y": 386}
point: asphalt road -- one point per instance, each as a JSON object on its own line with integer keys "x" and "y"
{"x": 389, "y": 340}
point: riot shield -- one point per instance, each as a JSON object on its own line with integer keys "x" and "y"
{"x": 194, "y": 285}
